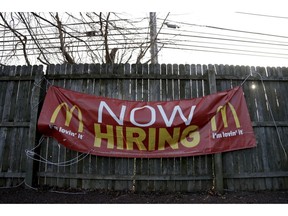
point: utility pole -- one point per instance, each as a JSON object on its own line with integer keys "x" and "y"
{"x": 153, "y": 38}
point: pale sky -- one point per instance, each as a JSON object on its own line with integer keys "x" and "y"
{"x": 266, "y": 32}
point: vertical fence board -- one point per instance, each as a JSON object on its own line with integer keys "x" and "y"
{"x": 155, "y": 164}
{"x": 164, "y": 97}
{"x": 62, "y": 151}
{"x": 7, "y": 132}
{"x": 97, "y": 161}
{"x": 8, "y": 146}
{"x": 32, "y": 101}
{"x": 263, "y": 116}
{"x": 137, "y": 94}
{"x": 168, "y": 163}
{"x": 21, "y": 114}
{"x": 185, "y": 93}
{"x": 129, "y": 162}
{"x": 55, "y": 146}
{"x": 3, "y": 130}
{"x": 44, "y": 145}
{"x": 27, "y": 111}
{"x": 85, "y": 167}
{"x": 90, "y": 160}
{"x": 191, "y": 160}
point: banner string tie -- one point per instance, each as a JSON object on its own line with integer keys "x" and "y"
{"x": 39, "y": 85}
{"x": 269, "y": 108}
{"x": 35, "y": 156}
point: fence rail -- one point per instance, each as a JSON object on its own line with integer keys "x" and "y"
{"x": 22, "y": 90}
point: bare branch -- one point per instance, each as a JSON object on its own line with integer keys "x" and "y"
{"x": 66, "y": 55}
{"x": 109, "y": 56}
{"x": 77, "y": 38}
{"x": 19, "y": 36}
{"x": 28, "y": 27}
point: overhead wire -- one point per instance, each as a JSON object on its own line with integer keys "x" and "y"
{"x": 170, "y": 38}
{"x": 184, "y": 35}
{"x": 263, "y": 15}
{"x": 229, "y": 29}
{"x": 219, "y": 43}
{"x": 174, "y": 39}
{"x": 223, "y": 52}
{"x": 229, "y": 49}
{"x": 177, "y": 33}
{"x": 223, "y": 36}
{"x": 250, "y": 39}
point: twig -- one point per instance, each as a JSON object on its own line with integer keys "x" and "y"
{"x": 28, "y": 27}
{"x": 66, "y": 55}
{"x": 18, "y": 35}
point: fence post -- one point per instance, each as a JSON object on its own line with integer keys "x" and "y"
{"x": 32, "y": 137}
{"x": 217, "y": 159}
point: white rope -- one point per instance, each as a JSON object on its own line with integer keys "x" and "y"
{"x": 31, "y": 154}
{"x": 69, "y": 193}
{"x": 30, "y": 186}
{"x": 15, "y": 186}
{"x": 269, "y": 108}
{"x": 38, "y": 85}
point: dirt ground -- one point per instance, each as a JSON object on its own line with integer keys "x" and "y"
{"x": 21, "y": 195}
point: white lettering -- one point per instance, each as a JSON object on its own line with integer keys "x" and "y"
{"x": 118, "y": 120}
{"x": 229, "y": 134}
{"x": 68, "y": 132}
{"x": 153, "y": 116}
{"x": 172, "y": 117}
{"x": 168, "y": 120}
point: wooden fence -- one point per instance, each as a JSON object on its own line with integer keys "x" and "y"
{"x": 22, "y": 89}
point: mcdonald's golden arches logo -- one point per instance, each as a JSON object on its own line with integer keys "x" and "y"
{"x": 223, "y": 109}
{"x": 69, "y": 114}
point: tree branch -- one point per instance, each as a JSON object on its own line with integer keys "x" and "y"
{"x": 65, "y": 54}
{"x": 62, "y": 30}
{"x": 18, "y": 35}
{"x": 28, "y": 27}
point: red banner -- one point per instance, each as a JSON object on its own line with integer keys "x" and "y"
{"x": 120, "y": 128}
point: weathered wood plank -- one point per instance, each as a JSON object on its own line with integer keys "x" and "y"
{"x": 124, "y": 177}
{"x": 14, "y": 124}
{"x": 121, "y": 76}
{"x": 218, "y": 168}
{"x": 192, "y": 185}
{"x": 185, "y": 93}
{"x": 77, "y": 85}
{"x": 275, "y": 151}
{"x": 19, "y": 175}
{"x": 155, "y": 95}
{"x": 168, "y": 163}
{"x": 142, "y": 91}
{"x": 113, "y": 90}
{"x": 55, "y": 148}
{"x": 97, "y": 161}
{"x": 44, "y": 147}
{"x": 23, "y": 111}
{"x": 164, "y": 96}
{"x": 127, "y": 164}
{"x": 8, "y": 146}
